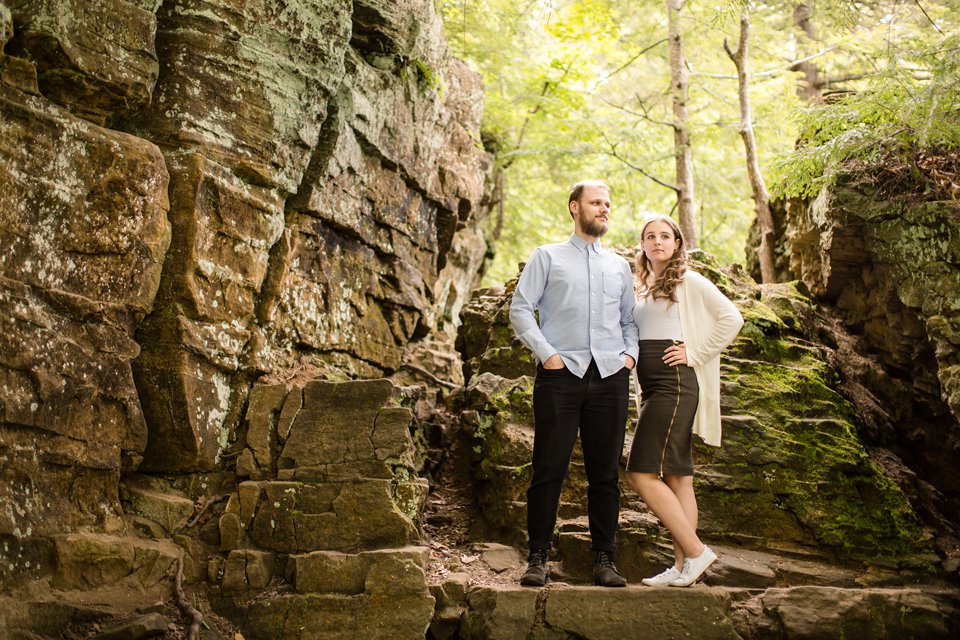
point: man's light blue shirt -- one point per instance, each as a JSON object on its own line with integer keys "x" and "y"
{"x": 584, "y": 296}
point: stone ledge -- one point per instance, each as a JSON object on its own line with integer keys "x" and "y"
{"x": 150, "y": 498}
{"x": 381, "y": 571}
{"x": 594, "y": 613}
{"x": 298, "y": 517}
{"x": 91, "y": 560}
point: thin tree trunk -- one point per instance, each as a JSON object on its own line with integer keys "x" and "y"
{"x": 761, "y": 197}
{"x": 683, "y": 153}
{"x": 811, "y": 87}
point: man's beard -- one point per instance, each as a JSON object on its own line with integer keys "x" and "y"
{"x": 593, "y": 227}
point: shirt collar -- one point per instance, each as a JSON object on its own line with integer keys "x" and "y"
{"x": 581, "y": 244}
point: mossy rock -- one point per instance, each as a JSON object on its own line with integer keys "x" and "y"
{"x": 793, "y": 472}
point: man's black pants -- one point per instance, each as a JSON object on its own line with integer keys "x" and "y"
{"x": 564, "y": 404}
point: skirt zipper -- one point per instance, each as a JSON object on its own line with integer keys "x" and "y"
{"x": 673, "y": 418}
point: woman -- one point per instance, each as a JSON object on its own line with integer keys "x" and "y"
{"x": 685, "y": 322}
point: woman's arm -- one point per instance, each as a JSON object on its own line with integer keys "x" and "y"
{"x": 716, "y": 308}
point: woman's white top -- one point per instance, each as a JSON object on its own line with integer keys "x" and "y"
{"x": 658, "y": 319}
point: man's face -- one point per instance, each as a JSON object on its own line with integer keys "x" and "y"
{"x": 592, "y": 211}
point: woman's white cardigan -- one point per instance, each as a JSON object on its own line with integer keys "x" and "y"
{"x": 710, "y": 322}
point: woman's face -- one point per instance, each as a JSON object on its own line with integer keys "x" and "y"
{"x": 658, "y": 243}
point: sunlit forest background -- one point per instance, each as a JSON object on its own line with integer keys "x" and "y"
{"x": 582, "y": 88}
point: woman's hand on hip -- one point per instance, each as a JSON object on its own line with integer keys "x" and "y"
{"x": 675, "y": 354}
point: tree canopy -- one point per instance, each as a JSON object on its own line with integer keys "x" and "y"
{"x": 581, "y": 88}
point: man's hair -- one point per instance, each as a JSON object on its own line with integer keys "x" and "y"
{"x": 577, "y": 190}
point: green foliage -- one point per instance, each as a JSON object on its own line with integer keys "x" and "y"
{"x": 913, "y": 104}
{"x": 427, "y": 77}
{"x": 580, "y": 88}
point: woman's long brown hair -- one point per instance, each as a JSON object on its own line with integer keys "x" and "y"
{"x": 665, "y": 285}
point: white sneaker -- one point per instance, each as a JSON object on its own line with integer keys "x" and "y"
{"x": 663, "y": 578}
{"x": 693, "y": 568}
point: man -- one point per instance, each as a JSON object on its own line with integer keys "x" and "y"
{"x": 585, "y": 345}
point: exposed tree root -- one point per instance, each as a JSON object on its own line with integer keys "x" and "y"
{"x": 183, "y": 602}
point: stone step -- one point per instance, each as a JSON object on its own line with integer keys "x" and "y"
{"x": 643, "y": 551}
{"x": 705, "y": 613}
{"x": 154, "y": 500}
{"x": 384, "y": 570}
{"x": 380, "y": 594}
{"x": 298, "y": 517}
{"x": 638, "y": 557}
{"x": 324, "y": 572}
{"x": 92, "y": 560}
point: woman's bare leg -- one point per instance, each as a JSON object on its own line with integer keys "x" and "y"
{"x": 666, "y": 505}
{"x": 682, "y": 487}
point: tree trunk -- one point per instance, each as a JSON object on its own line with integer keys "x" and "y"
{"x": 760, "y": 196}
{"x": 810, "y": 88}
{"x": 683, "y": 154}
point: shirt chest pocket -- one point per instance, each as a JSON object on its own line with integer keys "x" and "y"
{"x": 612, "y": 285}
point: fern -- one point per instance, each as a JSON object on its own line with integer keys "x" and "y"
{"x": 911, "y": 106}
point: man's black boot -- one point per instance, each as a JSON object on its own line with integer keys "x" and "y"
{"x": 537, "y": 573}
{"x": 605, "y": 573}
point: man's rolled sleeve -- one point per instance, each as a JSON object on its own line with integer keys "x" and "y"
{"x": 538, "y": 345}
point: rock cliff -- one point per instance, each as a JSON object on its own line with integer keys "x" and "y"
{"x": 197, "y": 196}
{"x": 880, "y": 250}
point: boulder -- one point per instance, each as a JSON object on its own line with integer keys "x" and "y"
{"x": 825, "y": 612}
{"x": 884, "y": 261}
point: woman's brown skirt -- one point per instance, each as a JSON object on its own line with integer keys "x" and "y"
{"x": 669, "y": 397}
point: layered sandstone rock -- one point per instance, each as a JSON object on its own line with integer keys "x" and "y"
{"x": 96, "y": 59}
{"x": 335, "y": 510}
{"x": 84, "y": 232}
{"x": 198, "y": 194}
{"x": 315, "y": 197}
{"x": 879, "y": 248}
